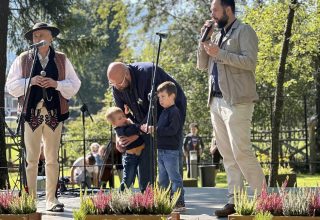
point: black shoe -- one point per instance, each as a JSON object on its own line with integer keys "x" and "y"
{"x": 180, "y": 207}
{"x": 228, "y": 209}
{"x": 56, "y": 208}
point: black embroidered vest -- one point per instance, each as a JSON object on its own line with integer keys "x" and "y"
{"x": 57, "y": 107}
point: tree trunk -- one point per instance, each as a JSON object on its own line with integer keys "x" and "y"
{"x": 4, "y": 17}
{"x": 279, "y": 99}
{"x": 313, "y": 165}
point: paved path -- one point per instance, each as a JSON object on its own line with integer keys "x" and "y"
{"x": 200, "y": 203}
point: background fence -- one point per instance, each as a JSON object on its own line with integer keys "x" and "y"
{"x": 294, "y": 134}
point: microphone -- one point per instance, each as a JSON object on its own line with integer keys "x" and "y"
{"x": 206, "y": 32}
{"x": 39, "y": 44}
{"x": 163, "y": 35}
{"x": 44, "y": 92}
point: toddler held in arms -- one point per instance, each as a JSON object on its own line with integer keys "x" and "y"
{"x": 124, "y": 127}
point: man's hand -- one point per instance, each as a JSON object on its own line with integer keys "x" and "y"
{"x": 125, "y": 141}
{"x": 126, "y": 109}
{"x": 147, "y": 129}
{"x": 211, "y": 48}
{"x": 48, "y": 83}
{"x": 144, "y": 128}
{"x": 120, "y": 148}
{"x": 208, "y": 23}
{"x": 37, "y": 80}
{"x": 44, "y": 82}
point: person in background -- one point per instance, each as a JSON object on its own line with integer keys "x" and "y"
{"x": 94, "y": 148}
{"x": 216, "y": 156}
{"x": 107, "y": 170}
{"x": 53, "y": 83}
{"x": 42, "y": 162}
{"x": 192, "y": 142}
{"x": 230, "y": 57}
{"x": 78, "y": 174}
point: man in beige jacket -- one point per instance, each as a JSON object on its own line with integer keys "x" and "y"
{"x": 230, "y": 57}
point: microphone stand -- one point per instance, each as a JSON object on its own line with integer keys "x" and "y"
{"x": 84, "y": 109}
{"x": 152, "y": 115}
{"x": 21, "y": 122}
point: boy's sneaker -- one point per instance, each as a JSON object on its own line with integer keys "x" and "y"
{"x": 180, "y": 207}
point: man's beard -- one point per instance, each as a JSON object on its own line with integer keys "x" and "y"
{"x": 222, "y": 22}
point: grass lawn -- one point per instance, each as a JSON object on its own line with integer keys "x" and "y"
{"x": 308, "y": 180}
{"x": 303, "y": 180}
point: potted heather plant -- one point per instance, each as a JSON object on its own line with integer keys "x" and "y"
{"x": 245, "y": 207}
{"x": 288, "y": 204}
{"x": 296, "y": 202}
{"x": 13, "y": 207}
{"x": 270, "y": 202}
{"x": 154, "y": 204}
{"x": 314, "y": 206}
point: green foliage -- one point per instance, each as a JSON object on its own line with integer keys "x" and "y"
{"x": 304, "y": 44}
{"x": 243, "y": 204}
{"x": 24, "y": 14}
{"x": 281, "y": 170}
{"x": 178, "y": 54}
{"x": 265, "y": 160}
{"x": 97, "y": 131}
{"x": 100, "y": 27}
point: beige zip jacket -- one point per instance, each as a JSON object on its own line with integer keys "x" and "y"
{"x": 236, "y": 63}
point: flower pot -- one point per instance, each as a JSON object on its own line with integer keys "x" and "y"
{"x": 292, "y": 179}
{"x": 32, "y": 216}
{"x": 295, "y": 218}
{"x": 207, "y": 175}
{"x": 190, "y": 183}
{"x": 174, "y": 216}
{"x": 240, "y": 217}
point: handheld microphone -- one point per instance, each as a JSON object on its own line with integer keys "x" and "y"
{"x": 39, "y": 44}
{"x": 44, "y": 92}
{"x": 206, "y": 32}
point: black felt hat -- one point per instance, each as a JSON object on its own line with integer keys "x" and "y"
{"x": 41, "y": 26}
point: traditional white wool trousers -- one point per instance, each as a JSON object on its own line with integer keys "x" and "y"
{"x": 232, "y": 129}
{"x": 51, "y": 140}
